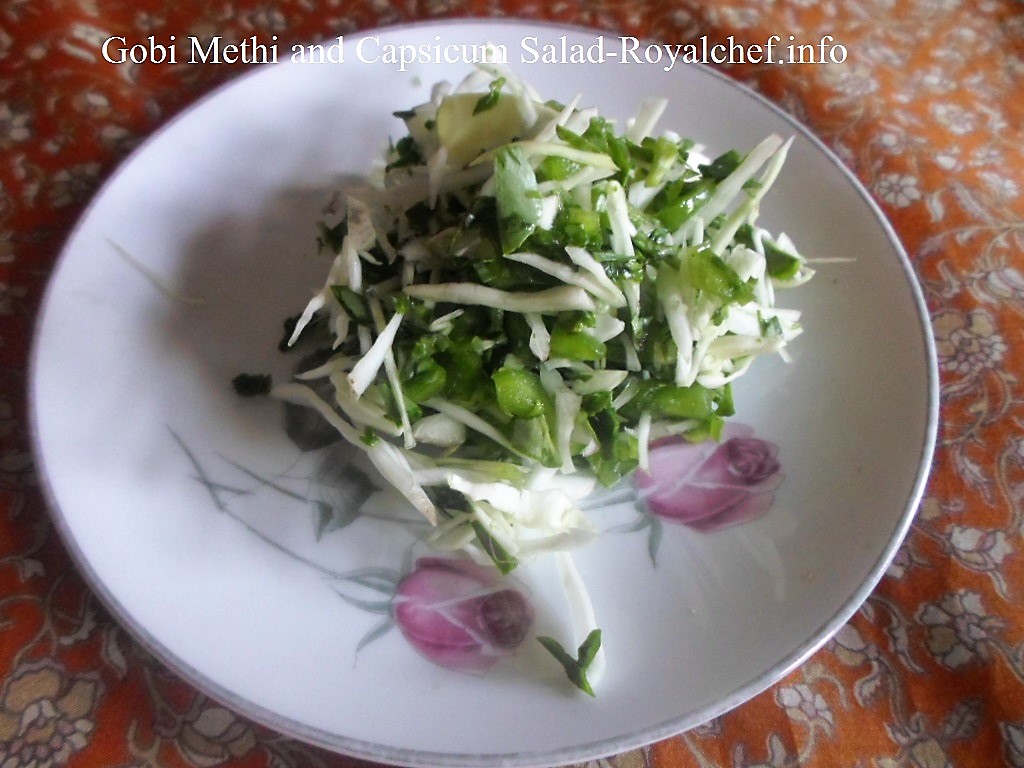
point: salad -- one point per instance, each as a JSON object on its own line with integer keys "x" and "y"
{"x": 525, "y": 301}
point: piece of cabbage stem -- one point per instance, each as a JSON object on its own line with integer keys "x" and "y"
{"x": 548, "y": 301}
{"x": 581, "y": 611}
{"x": 365, "y": 371}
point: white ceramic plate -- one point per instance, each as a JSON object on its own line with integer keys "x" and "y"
{"x": 191, "y": 513}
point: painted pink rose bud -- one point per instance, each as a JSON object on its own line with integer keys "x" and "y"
{"x": 459, "y": 614}
{"x": 711, "y": 485}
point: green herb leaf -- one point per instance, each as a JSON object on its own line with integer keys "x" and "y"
{"x": 576, "y": 667}
{"x": 490, "y": 98}
{"x": 722, "y": 165}
{"x": 465, "y": 378}
{"x": 406, "y": 152}
{"x": 618, "y": 452}
{"x": 781, "y": 264}
{"x": 353, "y": 303}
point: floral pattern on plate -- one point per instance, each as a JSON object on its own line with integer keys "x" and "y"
{"x": 460, "y": 614}
{"x": 709, "y": 486}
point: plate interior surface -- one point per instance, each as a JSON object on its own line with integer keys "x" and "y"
{"x": 179, "y": 277}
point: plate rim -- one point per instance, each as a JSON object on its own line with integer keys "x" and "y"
{"x": 363, "y": 749}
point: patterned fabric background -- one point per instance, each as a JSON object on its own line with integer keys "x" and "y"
{"x": 927, "y": 111}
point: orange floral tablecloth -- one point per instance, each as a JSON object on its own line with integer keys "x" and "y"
{"x": 927, "y": 110}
